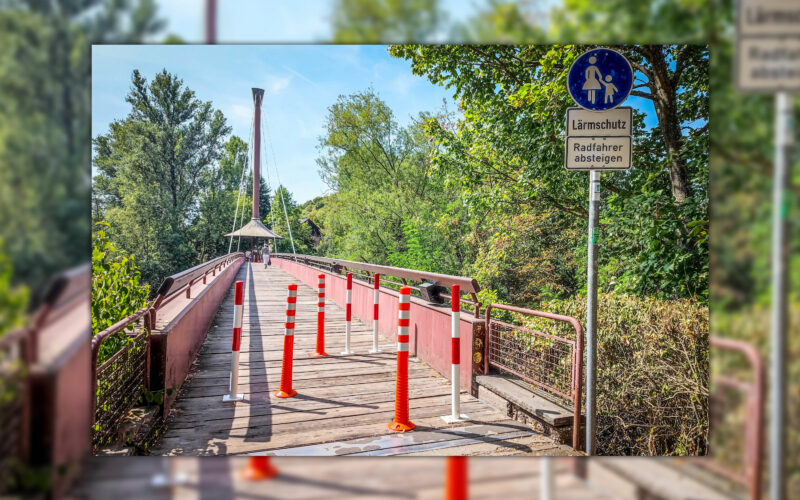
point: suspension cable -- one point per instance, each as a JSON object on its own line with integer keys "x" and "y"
{"x": 271, "y": 211}
{"x": 250, "y": 155}
{"x": 238, "y": 200}
{"x": 278, "y": 176}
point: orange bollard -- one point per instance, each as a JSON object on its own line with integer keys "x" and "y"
{"x": 286, "y": 390}
{"x": 456, "y": 479}
{"x": 320, "y": 352}
{"x": 259, "y": 468}
{"x": 401, "y": 422}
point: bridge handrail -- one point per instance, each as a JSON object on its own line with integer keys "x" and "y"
{"x": 172, "y": 285}
{"x": 19, "y": 352}
{"x": 467, "y": 284}
{"x": 576, "y": 361}
{"x": 170, "y": 288}
{"x": 755, "y": 400}
{"x": 97, "y": 341}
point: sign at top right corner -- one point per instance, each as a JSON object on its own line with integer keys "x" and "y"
{"x": 600, "y": 79}
{"x": 768, "y": 46}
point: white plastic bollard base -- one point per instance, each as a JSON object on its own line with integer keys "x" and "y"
{"x": 375, "y": 349}
{"x": 450, "y": 419}
{"x": 347, "y": 350}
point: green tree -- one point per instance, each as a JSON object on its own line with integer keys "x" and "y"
{"x": 45, "y": 72}
{"x": 13, "y": 298}
{"x": 117, "y": 291}
{"x": 359, "y": 21}
{"x": 300, "y": 232}
{"x": 506, "y": 153}
{"x": 385, "y": 200}
{"x": 150, "y": 166}
{"x": 219, "y": 190}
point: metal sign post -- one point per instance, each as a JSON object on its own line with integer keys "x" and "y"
{"x": 597, "y": 139}
{"x": 591, "y": 311}
{"x": 767, "y": 41}
{"x": 780, "y": 269}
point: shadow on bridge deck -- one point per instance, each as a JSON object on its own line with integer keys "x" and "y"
{"x": 344, "y": 403}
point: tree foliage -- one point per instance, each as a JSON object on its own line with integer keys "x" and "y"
{"x": 386, "y": 207}
{"x": 117, "y": 291}
{"x": 45, "y": 74}
{"x": 151, "y": 166}
{"x": 505, "y": 151}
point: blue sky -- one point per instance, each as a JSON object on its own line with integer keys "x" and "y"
{"x": 301, "y": 82}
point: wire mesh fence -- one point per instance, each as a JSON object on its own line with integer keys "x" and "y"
{"x": 120, "y": 383}
{"x": 13, "y": 372}
{"x": 543, "y": 360}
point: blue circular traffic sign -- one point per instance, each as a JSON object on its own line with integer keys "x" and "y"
{"x": 600, "y": 79}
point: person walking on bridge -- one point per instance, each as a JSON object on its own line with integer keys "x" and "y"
{"x": 265, "y": 254}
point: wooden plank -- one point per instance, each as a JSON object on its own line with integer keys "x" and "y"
{"x": 340, "y": 398}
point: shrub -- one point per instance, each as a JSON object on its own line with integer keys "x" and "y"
{"x": 652, "y": 376}
{"x": 13, "y": 299}
{"x": 116, "y": 289}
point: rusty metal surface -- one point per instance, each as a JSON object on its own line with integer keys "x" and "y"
{"x": 364, "y": 271}
{"x": 119, "y": 382}
{"x": 15, "y": 356}
{"x": 729, "y": 395}
{"x": 549, "y": 362}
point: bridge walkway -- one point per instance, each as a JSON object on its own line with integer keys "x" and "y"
{"x": 344, "y": 403}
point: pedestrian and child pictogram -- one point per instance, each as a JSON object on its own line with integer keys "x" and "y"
{"x": 600, "y": 79}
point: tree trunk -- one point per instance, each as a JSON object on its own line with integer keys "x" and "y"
{"x": 665, "y": 101}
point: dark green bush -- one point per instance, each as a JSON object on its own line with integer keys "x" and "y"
{"x": 116, "y": 289}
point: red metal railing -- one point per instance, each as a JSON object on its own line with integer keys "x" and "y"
{"x": 173, "y": 285}
{"x": 16, "y": 357}
{"x": 753, "y": 392}
{"x": 547, "y": 361}
{"x": 408, "y": 277}
{"x": 19, "y": 352}
{"x": 119, "y": 380}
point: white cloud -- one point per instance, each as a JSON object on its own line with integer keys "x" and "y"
{"x": 277, "y": 84}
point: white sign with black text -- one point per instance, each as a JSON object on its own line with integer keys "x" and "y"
{"x": 599, "y": 140}
{"x": 768, "y": 46}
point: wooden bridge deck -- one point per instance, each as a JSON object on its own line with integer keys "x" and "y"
{"x": 317, "y": 478}
{"x": 344, "y": 403}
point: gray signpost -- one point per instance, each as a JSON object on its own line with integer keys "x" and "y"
{"x": 598, "y": 137}
{"x": 768, "y": 41}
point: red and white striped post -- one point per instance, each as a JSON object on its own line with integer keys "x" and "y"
{"x": 320, "y": 351}
{"x": 348, "y": 314}
{"x": 238, "y": 311}
{"x": 375, "y": 297}
{"x": 455, "y": 368}
{"x": 401, "y": 422}
{"x": 285, "y": 390}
